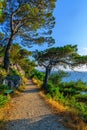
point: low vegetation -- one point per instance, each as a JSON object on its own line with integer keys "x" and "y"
{"x": 3, "y": 100}
{"x": 70, "y": 94}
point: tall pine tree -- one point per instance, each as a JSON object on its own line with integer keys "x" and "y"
{"x": 29, "y": 22}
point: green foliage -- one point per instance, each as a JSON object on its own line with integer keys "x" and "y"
{"x": 1, "y": 52}
{"x": 56, "y": 56}
{"x": 28, "y": 66}
{"x": 48, "y": 96}
{"x": 73, "y": 88}
{"x": 2, "y": 14}
{"x": 81, "y": 59}
{"x": 3, "y": 73}
{"x": 56, "y": 78}
{"x": 65, "y": 56}
{"x": 51, "y": 89}
{"x": 81, "y": 97}
{"x": 70, "y": 99}
{"x": 3, "y": 87}
{"x": 15, "y": 55}
{"x": 55, "y": 93}
{"x": 29, "y": 22}
{"x": 1, "y": 37}
{"x": 38, "y": 75}
{"x": 18, "y": 54}
{"x": 81, "y": 86}
{"x": 13, "y": 72}
{"x": 70, "y": 94}
{"x": 3, "y": 100}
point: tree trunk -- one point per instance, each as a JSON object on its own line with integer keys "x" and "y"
{"x": 7, "y": 54}
{"x": 47, "y": 74}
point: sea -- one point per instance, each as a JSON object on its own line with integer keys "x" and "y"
{"x": 75, "y": 76}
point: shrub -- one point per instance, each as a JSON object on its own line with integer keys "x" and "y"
{"x": 3, "y": 73}
{"x": 3, "y": 100}
{"x": 56, "y": 78}
{"x": 38, "y": 75}
{"x": 81, "y": 86}
{"x": 3, "y": 87}
{"x": 68, "y": 93}
{"x": 38, "y": 82}
{"x": 73, "y": 88}
{"x": 53, "y": 91}
{"x": 81, "y": 97}
{"x": 13, "y": 72}
{"x": 21, "y": 88}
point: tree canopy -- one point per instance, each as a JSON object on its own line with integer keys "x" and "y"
{"x": 20, "y": 56}
{"x": 29, "y": 22}
{"x": 2, "y": 7}
{"x": 25, "y": 17}
{"x": 59, "y": 56}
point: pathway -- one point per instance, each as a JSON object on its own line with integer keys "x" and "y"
{"x": 30, "y": 112}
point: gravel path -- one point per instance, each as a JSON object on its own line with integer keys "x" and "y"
{"x": 30, "y": 112}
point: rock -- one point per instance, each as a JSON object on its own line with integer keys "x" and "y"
{"x": 12, "y": 81}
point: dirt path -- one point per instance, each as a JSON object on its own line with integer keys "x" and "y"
{"x": 30, "y": 112}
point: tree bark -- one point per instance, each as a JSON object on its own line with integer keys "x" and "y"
{"x": 47, "y": 74}
{"x": 7, "y": 54}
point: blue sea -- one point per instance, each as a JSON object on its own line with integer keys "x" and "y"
{"x": 75, "y": 76}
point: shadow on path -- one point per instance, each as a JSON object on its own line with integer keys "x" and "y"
{"x": 33, "y": 90}
{"x": 47, "y": 122}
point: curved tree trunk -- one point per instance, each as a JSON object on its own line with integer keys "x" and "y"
{"x": 7, "y": 54}
{"x": 47, "y": 74}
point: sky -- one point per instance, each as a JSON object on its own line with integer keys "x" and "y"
{"x": 71, "y": 25}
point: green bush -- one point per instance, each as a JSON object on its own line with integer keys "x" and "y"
{"x": 81, "y": 86}
{"x": 3, "y": 100}
{"x": 48, "y": 95}
{"x": 51, "y": 89}
{"x": 54, "y": 91}
{"x": 13, "y": 72}
{"x": 56, "y": 78}
{"x": 69, "y": 94}
{"x": 3, "y": 87}
{"x": 72, "y": 88}
{"x": 38, "y": 75}
{"x": 3, "y": 73}
{"x": 81, "y": 97}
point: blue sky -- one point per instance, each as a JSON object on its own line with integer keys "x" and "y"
{"x": 71, "y": 24}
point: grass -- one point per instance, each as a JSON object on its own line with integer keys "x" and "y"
{"x": 21, "y": 88}
{"x": 3, "y": 100}
{"x": 5, "y": 105}
{"x": 3, "y": 114}
{"x": 37, "y": 82}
